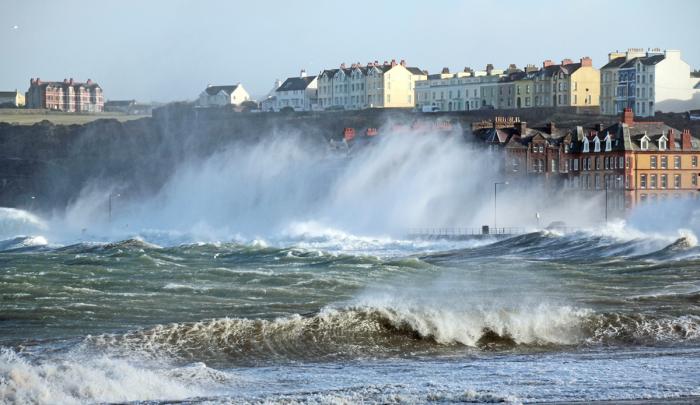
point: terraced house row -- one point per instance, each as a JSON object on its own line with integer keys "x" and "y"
{"x": 631, "y": 162}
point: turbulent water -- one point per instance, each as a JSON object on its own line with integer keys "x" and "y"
{"x": 538, "y": 317}
{"x": 245, "y": 280}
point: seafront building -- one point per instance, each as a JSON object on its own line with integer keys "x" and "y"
{"x": 68, "y": 95}
{"x": 13, "y": 99}
{"x": 218, "y": 96}
{"x": 647, "y": 82}
{"x": 632, "y": 162}
{"x": 375, "y": 85}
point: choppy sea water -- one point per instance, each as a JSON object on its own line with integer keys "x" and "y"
{"x": 541, "y": 317}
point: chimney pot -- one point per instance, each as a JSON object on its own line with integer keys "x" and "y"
{"x": 547, "y": 63}
{"x": 686, "y": 140}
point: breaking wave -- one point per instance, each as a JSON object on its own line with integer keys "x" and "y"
{"x": 357, "y": 332}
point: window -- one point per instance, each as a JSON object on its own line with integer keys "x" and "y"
{"x": 677, "y": 181}
{"x": 694, "y": 161}
{"x": 694, "y": 179}
{"x": 664, "y": 162}
{"x": 608, "y": 144}
{"x": 598, "y": 165}
{"x": 597, "y": 181}
{"x": 676, "y": 162}
{"x": 576, "y": 165}
{"x": 664, "y": 181}
{"x": 652, "y": 162}
{"x": 629, "y": 162}
{"x": 620, "y": 162}
{"x": 652, "y": 181}
{"x": 662, "y": 142}
{"x": 643, "y": 181}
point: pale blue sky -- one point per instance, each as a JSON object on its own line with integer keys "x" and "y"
{"x": 163, "y": 50}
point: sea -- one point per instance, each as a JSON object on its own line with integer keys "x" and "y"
{"x": 271, "y": 276}
{"x": 539, "y": 317}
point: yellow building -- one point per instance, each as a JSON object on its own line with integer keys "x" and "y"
{"x": 568, "y": 84}
{"x": 398, "y": 82}
{"x": 11, "y": 99}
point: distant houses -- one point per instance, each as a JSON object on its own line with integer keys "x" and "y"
{"x": 67, "y": 96}
{"x": 647, "y": 82}
{"x": 11, "y": 99}
{"x": 218, "y": 96}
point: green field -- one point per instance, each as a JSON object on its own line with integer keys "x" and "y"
{"x": 29, "y": 117}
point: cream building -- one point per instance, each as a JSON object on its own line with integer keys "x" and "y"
{"x": 461, "y": 91}
{"x": 568, "y": 84}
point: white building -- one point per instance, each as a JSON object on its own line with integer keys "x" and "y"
{"x": 655, "y": 81}
{"x": 299, "y": 93}
{"x": 462, "y": 91}
{"x": 270, "y": 100}
{"x": 216, "y": 96}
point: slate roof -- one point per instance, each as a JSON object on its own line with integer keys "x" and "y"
{"x": 617, "y": 62}
{"x": 8, "y": 93}
{"x": 415, "y": 70}
{"x": 214, "y": 90}
{"x": 296, "y": 83}
{"x": 67, "y": 84}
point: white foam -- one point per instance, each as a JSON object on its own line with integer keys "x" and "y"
{"x": 80, "y": 379}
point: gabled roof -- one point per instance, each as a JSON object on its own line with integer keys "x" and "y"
{"x": 415, "y": 71}
{"x": 653, "y": 60}
{"x": 296, "y": 83}
{"x": 9, "y": 93}
{"x": 214, "y": 90}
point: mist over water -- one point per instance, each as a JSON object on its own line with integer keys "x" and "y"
{"x": 280, "y": 270}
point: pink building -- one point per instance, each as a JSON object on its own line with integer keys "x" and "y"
{"x": 68, "y": 95}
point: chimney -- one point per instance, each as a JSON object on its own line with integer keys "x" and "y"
{"x": 403, "y": 62}
{"x": 386, "y": 63}
{"x": 551, "y": 127}
{"x": 342, "y": 65}
{"x": 89, "y": 82}
{"x": 70, "y": 81}
{"x": 628, "y": 116}
{"x": 65, "y": 81}
{"x": 445, "y": 70}
{"x": 565, "y": 62}
{"x": 547, "y": 63}
{"x": 302, "y": 73}
{"x": 599, "y": 127}
{"x": 686, "y": 142}
{"x": 489, "y": 69}
{"x": 671, "y": 135}
{"x": 586, "y": 61}
{"x": 31, "y": 81}
{"x": 376, "y": 63}
{"x": 530, "y": 68}
{"x": 521, "y": 127}
{"x": 371, "y": 132}
{"x": 393, "y": 62}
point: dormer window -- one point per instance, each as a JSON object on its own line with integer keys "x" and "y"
{"x": 662, "y": 143}
{"x": 597, "y": 144}
{"x": 608, "y": 143}
{"x": 585, "y": 145}
{"x": 644, "y": 144}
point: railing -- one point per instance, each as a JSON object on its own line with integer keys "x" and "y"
{"x": 459, "y": 232}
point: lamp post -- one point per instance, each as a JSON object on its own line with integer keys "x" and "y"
{"x": 109, "y": 205}
{"x": 495, "y": 204}
{"x": 607, "y": 179}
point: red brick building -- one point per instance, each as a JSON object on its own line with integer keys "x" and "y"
{"x": 68, "y": 96}
{"x": 630, "y": 162}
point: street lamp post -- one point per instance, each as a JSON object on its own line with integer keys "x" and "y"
{"x": 109, "y": 205}
{"x": 495, "y": 203}
{"x": 618, "y": 178}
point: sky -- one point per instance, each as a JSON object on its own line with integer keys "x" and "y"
{"x": 169, "y": 50}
